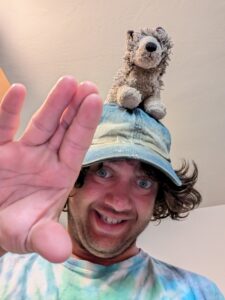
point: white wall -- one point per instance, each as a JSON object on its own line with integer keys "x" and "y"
{"x": 196, "y": 243}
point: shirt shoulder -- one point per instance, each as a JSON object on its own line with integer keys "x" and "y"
{"x": 187, "y": 282}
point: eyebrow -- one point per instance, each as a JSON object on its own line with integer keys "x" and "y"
{"x": 139, "y": 168}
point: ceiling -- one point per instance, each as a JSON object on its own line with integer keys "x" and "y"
{"x": 43, "y": 40}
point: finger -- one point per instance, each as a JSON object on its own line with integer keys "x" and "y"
{"x": 84, "y": 89}
{"x": 10, "y": 109}
{"x": 51, "y": 241}
{"x": 45, "y": 121}
{"x": 80, "y": 133}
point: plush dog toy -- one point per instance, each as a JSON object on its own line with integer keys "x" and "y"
{"x": 138, "y": 81}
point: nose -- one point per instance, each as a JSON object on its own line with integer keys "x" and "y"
{"x": 119, "y": 198}
{"x": 151, "y": 47}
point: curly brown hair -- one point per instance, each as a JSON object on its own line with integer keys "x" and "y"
{"x": 176, "y": 201}
{"x": 172, "y": 201}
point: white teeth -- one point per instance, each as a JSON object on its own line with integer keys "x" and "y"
{"x": 110, "y": 220}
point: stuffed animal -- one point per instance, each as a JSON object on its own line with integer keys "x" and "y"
{"x": 138, "y": 81}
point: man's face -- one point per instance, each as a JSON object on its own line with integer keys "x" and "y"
{"x": 110, "y": 210}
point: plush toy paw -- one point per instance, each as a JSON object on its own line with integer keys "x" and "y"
{"x": 155, "y": 108}
{"x": 128, "y": 97}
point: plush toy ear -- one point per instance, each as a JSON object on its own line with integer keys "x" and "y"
{"x": 160, "y": 30}
{"x": 161, "y": 33}
{"x": 130, "y": 34}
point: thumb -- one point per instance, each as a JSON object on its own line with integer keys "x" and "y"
{"x": 51, "y": 241}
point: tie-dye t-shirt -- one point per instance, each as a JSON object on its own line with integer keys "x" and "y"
{"x": 141, "y": 277}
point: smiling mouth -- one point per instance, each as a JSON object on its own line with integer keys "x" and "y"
{"x": 109, "y": 220}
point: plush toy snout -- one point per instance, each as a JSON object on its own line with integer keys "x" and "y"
{"x": 148, "y": 53}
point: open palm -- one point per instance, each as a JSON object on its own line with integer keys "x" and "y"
{"x": 38, "y": 171}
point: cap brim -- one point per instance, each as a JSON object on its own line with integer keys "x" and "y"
{"x": 97, "y": 153}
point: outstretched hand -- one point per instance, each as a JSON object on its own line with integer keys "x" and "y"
{"x": 38, "y": 171}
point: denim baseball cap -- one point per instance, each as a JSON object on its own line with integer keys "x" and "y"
{"x": 132, "y": 134}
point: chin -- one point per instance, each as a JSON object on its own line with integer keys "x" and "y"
{"x": 108, "y": 251}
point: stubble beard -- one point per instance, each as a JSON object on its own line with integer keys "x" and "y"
{"x": 87, "y": 243}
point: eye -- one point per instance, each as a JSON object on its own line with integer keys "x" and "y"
{"x": 103, "y": 173}
{"x": 144, "y": 183}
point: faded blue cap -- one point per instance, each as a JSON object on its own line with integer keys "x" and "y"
{"x": 132, "y": 134}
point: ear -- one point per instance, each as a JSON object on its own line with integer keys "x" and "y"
{"x": 160, "y": 30}
{"x": 130, "y": 34}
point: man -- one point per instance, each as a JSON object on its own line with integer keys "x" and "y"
{"x": 126, "y": 180}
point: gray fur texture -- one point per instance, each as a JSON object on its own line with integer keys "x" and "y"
{"x": 138, "y": 81}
